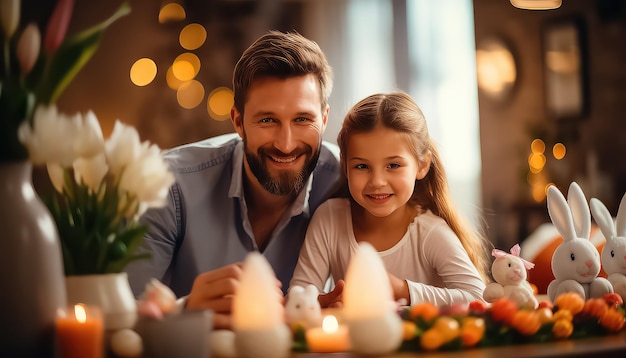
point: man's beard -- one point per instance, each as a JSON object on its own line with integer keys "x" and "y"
{"x": 288, "y": 182}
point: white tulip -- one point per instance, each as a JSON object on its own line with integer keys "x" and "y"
{"x": 89, "y": 141}
{"x": 91, "y": 171}
{"x": 56, "y": 174}
{"x": 47, "y": 140}
{"x": 122, "y": 147}
{"x": 148, "y": 178}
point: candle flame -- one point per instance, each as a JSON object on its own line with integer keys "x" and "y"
{"x": 79, "y": 313}
{"x": 330, "y": 324}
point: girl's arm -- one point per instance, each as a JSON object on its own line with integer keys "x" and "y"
{"x": 448, "y": 263}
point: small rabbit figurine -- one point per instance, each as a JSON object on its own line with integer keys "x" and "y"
{"x": 302, "y": 307}
{"x": 576, "y": 261}
{"x": 614, "y": 252}
{"x": 509, "y": 272}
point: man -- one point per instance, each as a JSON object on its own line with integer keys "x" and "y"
{"x": 250, "y": 191}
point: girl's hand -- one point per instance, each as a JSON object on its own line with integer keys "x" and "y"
{"x": 400, "y": 288}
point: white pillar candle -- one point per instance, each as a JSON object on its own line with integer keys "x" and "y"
{"x": 369, "y": 308}
{"x": 258, "y": 313}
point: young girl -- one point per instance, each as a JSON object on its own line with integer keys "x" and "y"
{"x": 398, "y": 201}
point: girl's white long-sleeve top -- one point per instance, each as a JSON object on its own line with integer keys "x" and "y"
{"x": 430, "y": 257}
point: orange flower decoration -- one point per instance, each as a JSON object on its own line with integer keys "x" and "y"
{"x": 477, "y": 307}
{"x": 472, "y": 331}
{"x": 562, "y": 328}
{"x": 545, "y": 315}
{"x": 427, "y": 311}
{"x": 409, "y": 330}
{"x": 448, "y": 327}
{"x": 613, "y": 299}
{"x": 612, "y": 320}
{"x": 570, "y": 301}
{"x": 526, "y": 322}
{"x": 595, "y": 307}
{"x": 503, "y": 310}
{"x": 563, "y": 315}
{"x": 431, "y": 340}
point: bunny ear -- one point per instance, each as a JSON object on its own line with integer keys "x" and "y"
{"x": 560, "y": 214}
{"x": 603, "y": 218}
{"x": 516, "y": 250}
{"x": 620, "y": 222}
{"x": 498, "y": 253}
{"x": 580, "y": 211}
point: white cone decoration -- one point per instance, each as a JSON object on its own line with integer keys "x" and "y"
{"x": 258, "y": 313}
{"x": 369, "y": 309}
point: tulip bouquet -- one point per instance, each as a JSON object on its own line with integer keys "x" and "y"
{"x": 102, "y": 187}
{"x": 34, "y": 73}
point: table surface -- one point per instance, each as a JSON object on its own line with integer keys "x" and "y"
{"x": 606, "y": 346}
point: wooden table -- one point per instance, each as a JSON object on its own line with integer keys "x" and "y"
{"x": 607, "y": 346}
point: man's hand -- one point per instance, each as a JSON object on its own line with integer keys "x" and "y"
{"x": 214, "y": 290}
{"x": 333, "y": 299}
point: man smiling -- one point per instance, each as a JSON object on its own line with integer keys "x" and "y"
{"x": 250, "y": 191}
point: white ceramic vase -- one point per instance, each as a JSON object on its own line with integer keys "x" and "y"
{"x": 110, "y": 292}
{"x": 31, "y": 266}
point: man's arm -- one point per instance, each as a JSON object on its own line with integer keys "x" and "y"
{"x": 160, "y": 242}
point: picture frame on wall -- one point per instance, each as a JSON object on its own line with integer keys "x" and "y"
{"x": 565, "y": 69}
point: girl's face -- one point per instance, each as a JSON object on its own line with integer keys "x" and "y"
{"x": 381, "y": 170}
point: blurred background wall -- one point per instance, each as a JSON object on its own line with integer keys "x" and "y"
{"x": 426, "y": 48}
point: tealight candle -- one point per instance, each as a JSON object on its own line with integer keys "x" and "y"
{"x": 80, "y": 331}
{"x": 330, "y": 337}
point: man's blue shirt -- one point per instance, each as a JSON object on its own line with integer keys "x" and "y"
{"x": 205, "y": 225}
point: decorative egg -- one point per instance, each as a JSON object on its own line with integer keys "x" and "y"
{"x": 126, "y": 343}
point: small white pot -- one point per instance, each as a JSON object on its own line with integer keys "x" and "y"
{"x": 110, "y": 292}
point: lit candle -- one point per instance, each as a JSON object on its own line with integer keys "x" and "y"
{"x": 80, "y": 332}
{"x": 258, "y": 312}
{"x": 330, "y": 337}
{"x": 369, "y": 309}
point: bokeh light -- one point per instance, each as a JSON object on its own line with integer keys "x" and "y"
{"x": 143, "y": 71}
{"x": 186, "y": 66}
{"x": 537, "y": 146}
{"x": 219, "y": 103}
{"x": 172, "y": 81}
{"x": 536, "y": 162}
{"x": 559, "y": 150}
{"x": 192, "y": 36}
{"x": 171, "y": 12}
{"x": 190, "y": 94}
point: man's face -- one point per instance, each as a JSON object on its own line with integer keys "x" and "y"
{"x": 282, "y": 131}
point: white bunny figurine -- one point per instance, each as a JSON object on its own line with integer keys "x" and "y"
{"x": 509, "y": 272}
{"x": 302, "y": 307}
{"x": 576, "y": 261}
{"x": 614, "y": 251}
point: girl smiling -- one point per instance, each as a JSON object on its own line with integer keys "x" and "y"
{"x": 398, "y": 200}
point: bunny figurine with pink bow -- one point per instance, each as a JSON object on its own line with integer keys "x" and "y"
{"x": 509, "y": 272}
